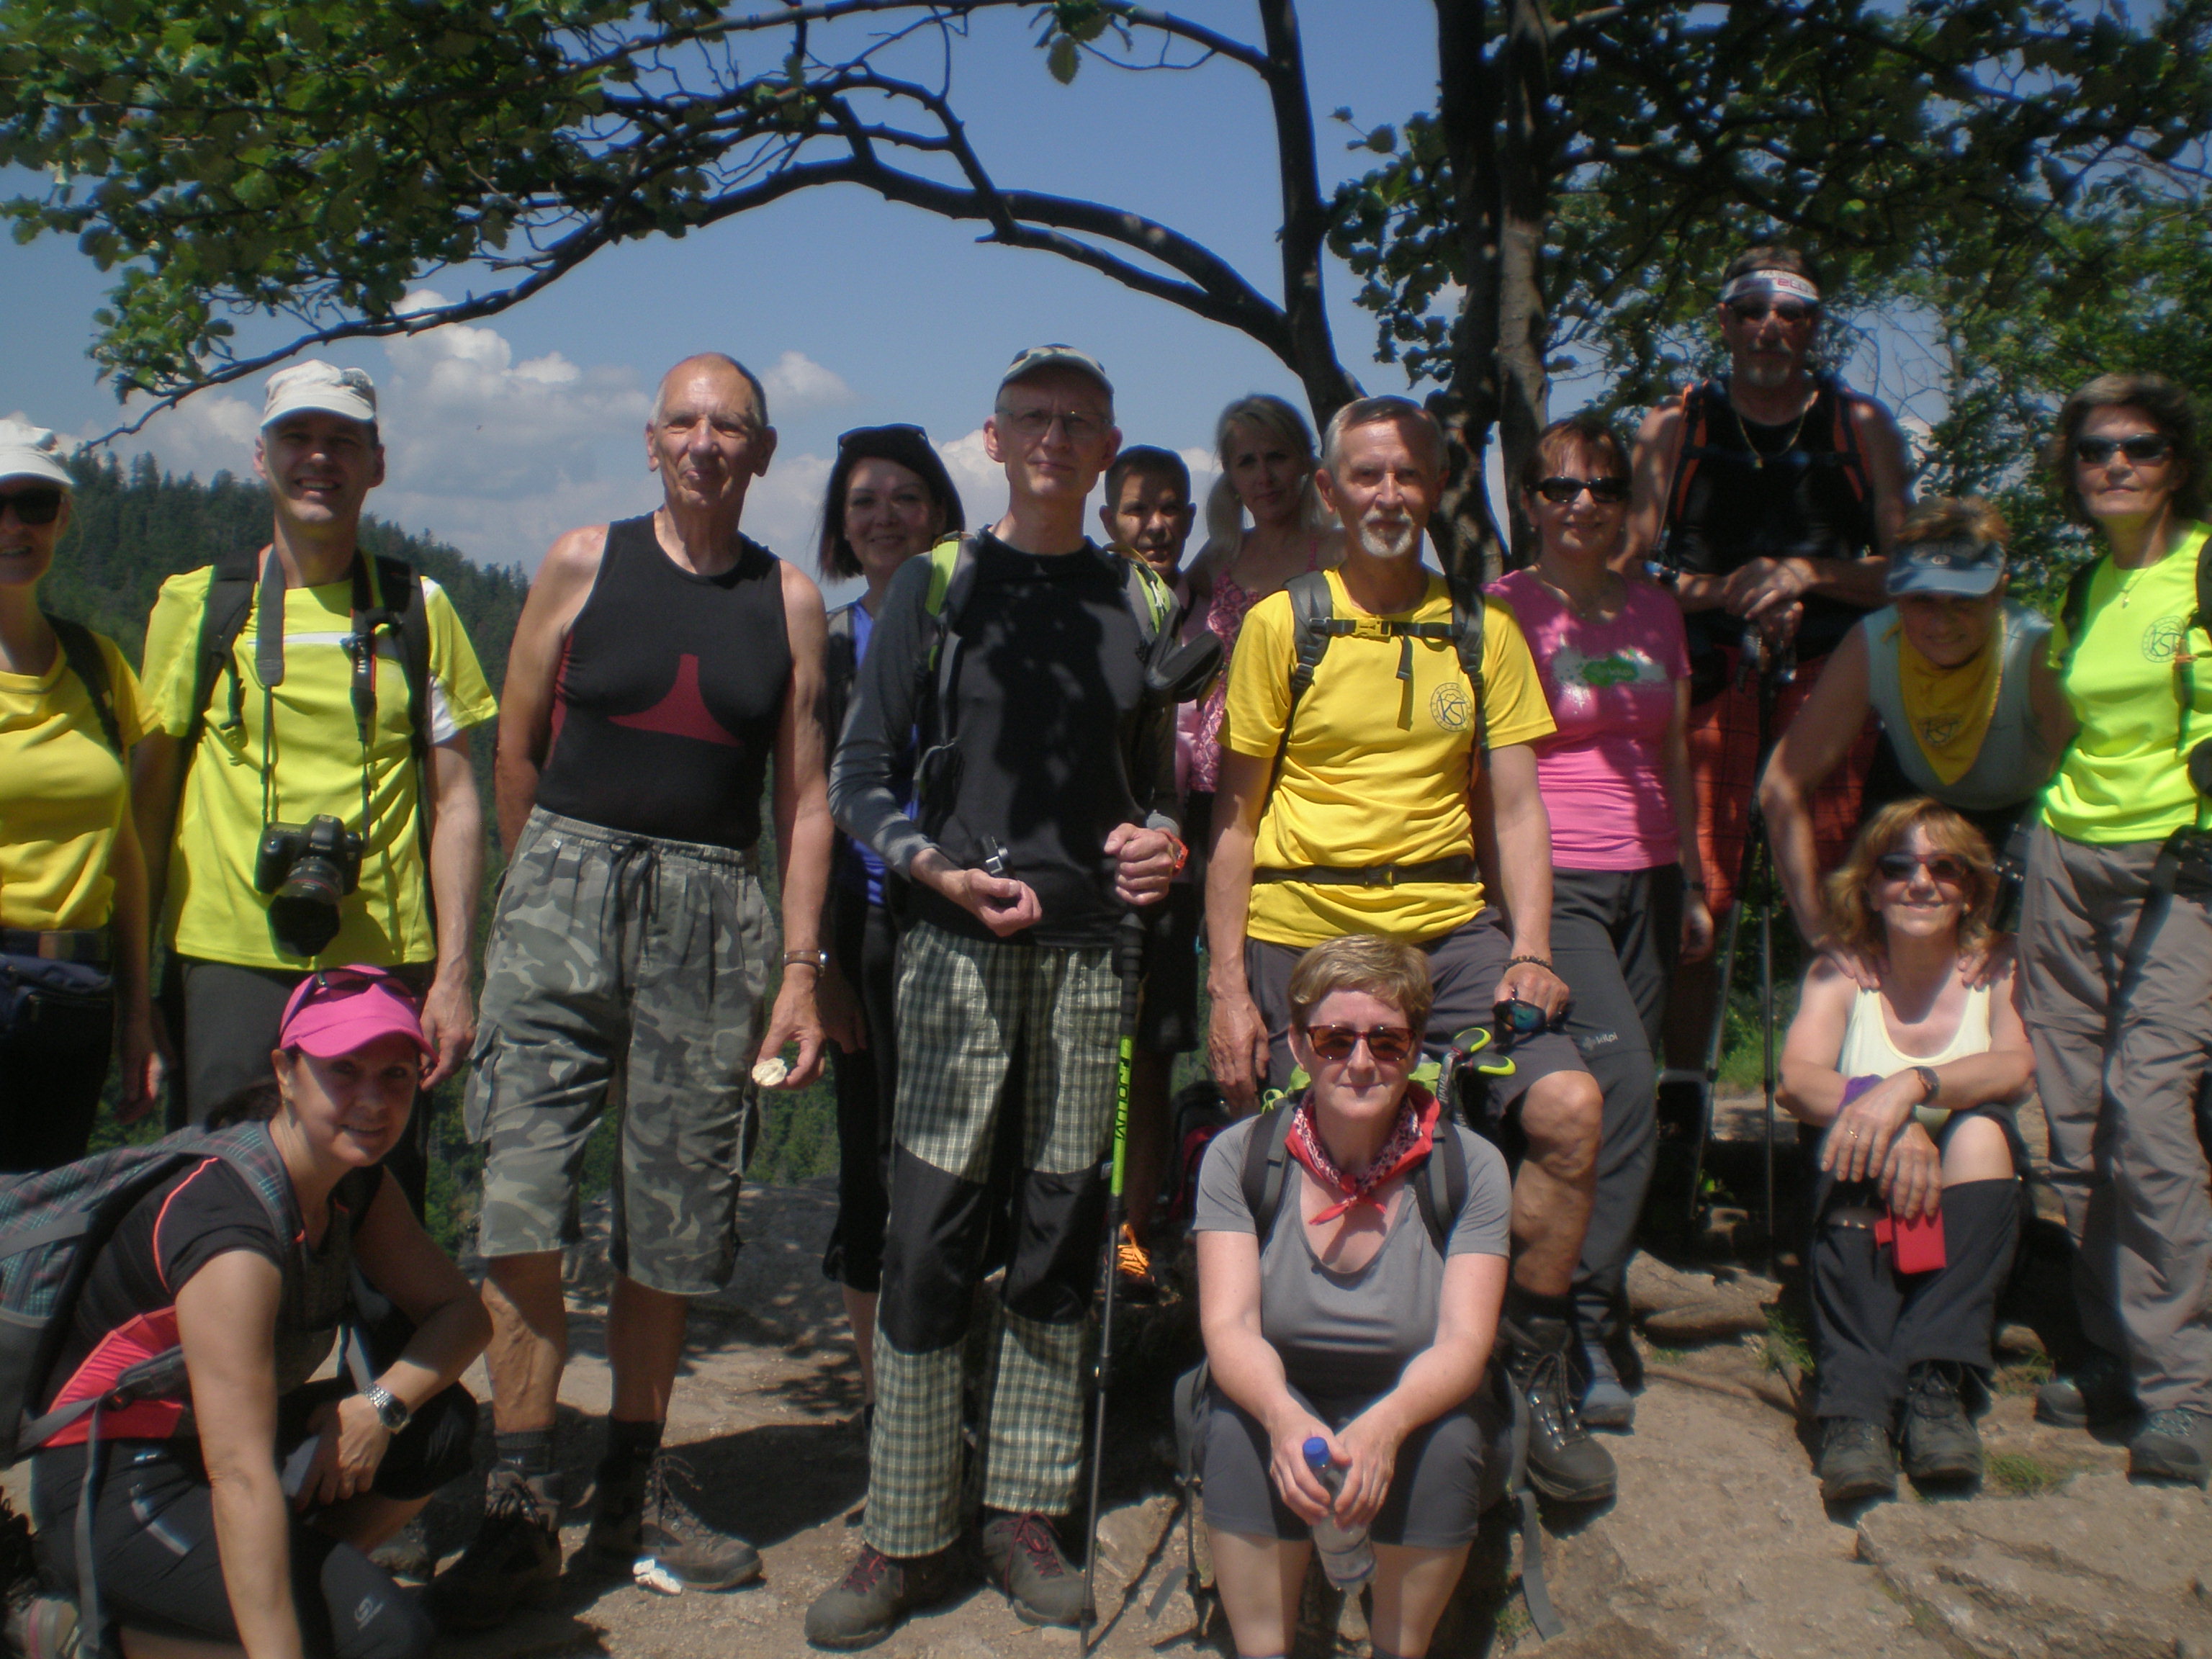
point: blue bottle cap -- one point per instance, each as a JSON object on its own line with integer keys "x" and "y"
{"x": 1316, "y": 1450}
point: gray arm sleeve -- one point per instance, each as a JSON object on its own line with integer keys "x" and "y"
{"x": 880, "y": 725}
{"x": 1221, "y": 1207}
{"x": 1484, "y": 1226}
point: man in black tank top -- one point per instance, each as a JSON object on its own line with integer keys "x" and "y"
{"x": 1047, "y": 808}
{"x": 1765, "y": 499}
{"x": 660, "y": 664}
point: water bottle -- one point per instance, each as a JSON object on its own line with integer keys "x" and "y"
{"x": 1346, "y": 1557}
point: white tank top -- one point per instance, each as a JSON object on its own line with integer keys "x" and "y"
{"x": 1867, "y": 1051}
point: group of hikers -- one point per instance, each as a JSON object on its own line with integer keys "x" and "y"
{"x": 1454, "y": 857}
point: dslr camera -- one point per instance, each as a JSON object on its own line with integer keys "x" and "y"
{"x": 308, "y": 868}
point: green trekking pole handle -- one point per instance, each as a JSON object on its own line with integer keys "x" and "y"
{"x": 1129, "y": 969}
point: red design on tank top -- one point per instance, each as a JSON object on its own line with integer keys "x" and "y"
{"x": 682, "y": 712}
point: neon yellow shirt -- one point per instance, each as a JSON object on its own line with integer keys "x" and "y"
{"x": 62, "y": 794}
{"x": 2125, "y": 778}
{"x": 1378, "y": 766}
{"x": 314, "y": 749}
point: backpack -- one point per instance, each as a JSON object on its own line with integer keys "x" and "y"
{"x": 403, "y": 610}
{"x": 1697, "y": 415}
{"x": 1439, "y": 1184}
{"x": 1314, "y": 624}
{"x": 81, "y": 651}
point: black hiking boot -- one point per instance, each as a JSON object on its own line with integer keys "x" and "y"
{"x": 640, "y": 1515}
{"x": 1941, "y": 1441}
{"x": 875, "y": 1595}
{"x": 2173, "y": 1445}
{"x": 2098, "y": 1392}
{"x": 1855, "y": 1461}
{"x": 1564, "y": 1461}
{"x": 514, "y": 1557}
{"x": 1023, "y": 1554}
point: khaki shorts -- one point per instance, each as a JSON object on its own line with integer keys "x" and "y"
{"x": 625, "y": 968}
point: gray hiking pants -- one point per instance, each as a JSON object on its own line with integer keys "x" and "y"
{"x": 2125, "y": 1152}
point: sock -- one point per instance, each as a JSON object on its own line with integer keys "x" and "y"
{"x": 630, "y": 1443}
{"x": 529, "y": 1453}
{"x": 1525, "y": 1309}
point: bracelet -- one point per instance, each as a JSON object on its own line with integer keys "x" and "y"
{"x": 817, "y": 960}
{"x": 1540, "y": 962}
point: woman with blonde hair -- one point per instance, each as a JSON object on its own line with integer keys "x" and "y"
{"x": 1917, "y": 1214}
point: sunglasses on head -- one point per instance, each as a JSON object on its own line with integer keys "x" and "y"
{"x": 1942, "y": 867}
{"x": 1609, "y": 492}
{"x": 2136, "y": 447}
{"x": 329, "y": 983}
{"x": 1752, "y": 310}
{"x": 847, "y": 440}
{"x": 1389, "y": 1045}
{"x": 33, "y": 505}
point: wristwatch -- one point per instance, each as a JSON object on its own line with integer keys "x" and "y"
{"x": 390, "y": 1410}
{"x": 817, "y": 960}
{"x": 1929, "y": 1080}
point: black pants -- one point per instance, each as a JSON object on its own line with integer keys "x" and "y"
{"x": 1872, "y": 1324}
{"x": 50, "y": 1076}
{"x": 224, "y": 1019}
{"x": 867, "y": 1087}
{"x": 1616, "y": 935}
{"x": 159, "y": 1567}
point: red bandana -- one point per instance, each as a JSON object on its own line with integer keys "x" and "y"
{"x": 1409, "y": 1143}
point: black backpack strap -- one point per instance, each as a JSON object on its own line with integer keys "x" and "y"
{"x": 1314, "y": 622}
{"x": 2074, "y": 607}
{"x": 1697, "y": 406}
{"x": 81, "y": 651}
{"x": 1441, "y": 1189}
{"x": 399, "y": 585}
{"x": 1467, "y": 636}
{"x": 1266, "y": 1168}
{"x": 222, "y": 618}
{"x": 1844, "y": 440}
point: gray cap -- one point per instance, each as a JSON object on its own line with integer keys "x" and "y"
{"x": 1056, "y": 357}
{"x": 1957, "y": 566}
{"x": 321, "y": 387}
{"x": 33, "y": 452}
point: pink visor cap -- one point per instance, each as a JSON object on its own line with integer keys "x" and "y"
{"x": 339, "y": 1010}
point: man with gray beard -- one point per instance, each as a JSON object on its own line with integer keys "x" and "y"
{"x": 1350, "y": 807}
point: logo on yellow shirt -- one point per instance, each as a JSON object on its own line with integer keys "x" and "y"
{"x": 2162, "y": 639}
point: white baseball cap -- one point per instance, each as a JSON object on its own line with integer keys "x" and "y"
{"x": 323, "y": 386}
{"x": 33, "y": 452}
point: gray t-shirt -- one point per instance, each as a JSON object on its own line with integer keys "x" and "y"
{"x": 1346, "y": 1335}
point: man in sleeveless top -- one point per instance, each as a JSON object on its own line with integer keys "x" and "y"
{"x": 659, "y": 664}
{"x": 1765, "y": 499}
{"x": 282, "y": 742}
{"x": 1045, "y": 812}
{"x": 1959, "y": 677}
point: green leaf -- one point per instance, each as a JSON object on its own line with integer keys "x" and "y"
{"x": 1063, "y": 59}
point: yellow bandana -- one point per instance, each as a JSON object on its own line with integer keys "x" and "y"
{"x": 1949, "y": 709}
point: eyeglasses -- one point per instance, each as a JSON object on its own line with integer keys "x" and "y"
{"x": 1606, "y": 492}
{"x": 1030, "y": 425}
{"x": 34, "y": 507}
{"x": 1940, "y": 867}
{"x": 901, "y": 429}
{"x": 1753, "y": 311}
{"x": 1389, "y": 1045}
{"x": 2141, "y": 447}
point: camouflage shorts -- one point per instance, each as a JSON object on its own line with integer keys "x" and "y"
{"x": 621, "y": 969}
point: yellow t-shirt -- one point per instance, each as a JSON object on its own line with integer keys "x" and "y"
{"x": 63, "y": 793}
{"x": 2125, "y": 777}
{"x": 213, "y": 911}
{"x": 1378, "y": 766}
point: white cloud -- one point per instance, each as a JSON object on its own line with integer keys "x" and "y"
{"x": 980, "y": 480}
{"x": 796, "y": 384}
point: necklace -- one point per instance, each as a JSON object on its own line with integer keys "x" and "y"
{"x": 1610, "y": 591}
{"x": 1759, "y": 457}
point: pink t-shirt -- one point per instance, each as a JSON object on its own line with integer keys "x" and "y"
{"x": 1612, "y": 690}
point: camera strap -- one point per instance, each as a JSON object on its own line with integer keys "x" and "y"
{"x": 361, "y": 650}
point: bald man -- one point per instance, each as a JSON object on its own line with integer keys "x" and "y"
{"x": 660, "y": 663}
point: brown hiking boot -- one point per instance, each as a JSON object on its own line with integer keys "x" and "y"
{"x": 875, "y": 1596}
{"x": 514, "y": 1557}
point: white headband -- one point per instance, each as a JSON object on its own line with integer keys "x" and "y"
{"x": 1772, "y": 285}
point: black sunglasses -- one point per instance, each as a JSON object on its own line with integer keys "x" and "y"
{"x": 33, "y": 506}
{"x": 1752, "y": 310}
{"x": 1941, "y": 867}
{"x": 2144, "y": 447}
{"x": 1611, "y": 492}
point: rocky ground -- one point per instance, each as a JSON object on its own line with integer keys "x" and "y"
{"x": 1718, "y": 1545}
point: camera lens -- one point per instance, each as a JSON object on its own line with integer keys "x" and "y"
{"x": 304, "y": 914}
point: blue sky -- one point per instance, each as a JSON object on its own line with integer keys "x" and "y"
{"x": 505, "y": 432}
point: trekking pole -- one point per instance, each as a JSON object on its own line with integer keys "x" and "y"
{"x": 1779, "y": 671}
{"x": 1128, "y": 968}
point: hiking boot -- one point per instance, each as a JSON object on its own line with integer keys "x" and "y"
{"x": 875, "y": 1595}
{"x": 40, "y": 1625}
{"x": 641, "y": 1514}
{"x": 1856, "y": 1461}
{"x": 2101, "y": 1392}
{"x": 1564, "y": 1461}
{"x": 407, "y": 1553}
{"x": 2173, "y": 1445}
{"x": 1941, "y": 1441}
{"x": 514, "y": 1557}
{"x": 1607, "y": 1403}
{"x": 1022, "y": 1552}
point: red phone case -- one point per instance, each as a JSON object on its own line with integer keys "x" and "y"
{"x": 1917, "y": 1244}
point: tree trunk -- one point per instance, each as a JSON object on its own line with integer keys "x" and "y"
{"x": 1464, "y": 531}
{"x": 1524, "y": 393}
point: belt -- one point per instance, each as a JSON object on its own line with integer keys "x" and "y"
{"x": 1457, "y": 869}
{"x": 89, "y": 945}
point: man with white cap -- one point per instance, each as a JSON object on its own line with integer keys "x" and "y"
{"x": 72, "y": 884}
{"x": 304, "y": 789}
{"x": 1043, "y": 808}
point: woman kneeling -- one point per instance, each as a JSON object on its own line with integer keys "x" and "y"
{"x": 241, "y": 1515}
{"x": 1915, "y": 1084}
{"x": 1348, "y": 1322}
